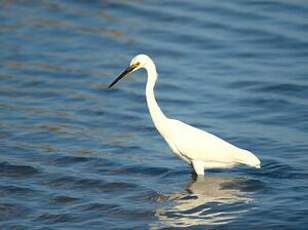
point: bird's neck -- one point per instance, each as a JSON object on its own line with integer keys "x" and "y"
{"x": 157, "y": 115}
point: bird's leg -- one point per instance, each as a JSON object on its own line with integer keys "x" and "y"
{"x": 198, "y": 167}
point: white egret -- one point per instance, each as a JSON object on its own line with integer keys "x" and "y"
{"x": 199, "y": 148}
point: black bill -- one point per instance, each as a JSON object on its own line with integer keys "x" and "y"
{"x": 127, "y": 71}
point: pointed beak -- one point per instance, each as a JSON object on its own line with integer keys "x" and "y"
{"x": 126, "y": 72}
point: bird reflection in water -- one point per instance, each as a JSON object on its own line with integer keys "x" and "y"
{"x": 210, "y": 200}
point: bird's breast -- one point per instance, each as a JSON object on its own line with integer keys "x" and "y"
{"x": 175, "y": 149}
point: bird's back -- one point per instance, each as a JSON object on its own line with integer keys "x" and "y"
{"x": 196, "y": 144}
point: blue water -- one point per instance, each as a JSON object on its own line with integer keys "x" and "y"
{"x": 76, "y": 155}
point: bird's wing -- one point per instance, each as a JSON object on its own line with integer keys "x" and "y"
{"x": 195, "y": 143}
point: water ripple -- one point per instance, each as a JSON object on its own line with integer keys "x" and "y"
{"x": 12, "y": 170}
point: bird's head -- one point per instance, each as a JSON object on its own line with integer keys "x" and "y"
{"x": 141, "y": 61}
{"x": 138, "y": 62}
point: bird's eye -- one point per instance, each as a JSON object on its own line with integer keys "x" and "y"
{"x": 135, "y": 65}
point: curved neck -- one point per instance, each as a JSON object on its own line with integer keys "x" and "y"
{"x": 157, "y": 115}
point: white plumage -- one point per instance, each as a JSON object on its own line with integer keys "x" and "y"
{"x": 199, "y": 148}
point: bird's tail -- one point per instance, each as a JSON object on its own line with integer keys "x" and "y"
{"x": 248, "y": 158}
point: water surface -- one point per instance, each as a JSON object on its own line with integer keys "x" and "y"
{"x": 76, "y": 155}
